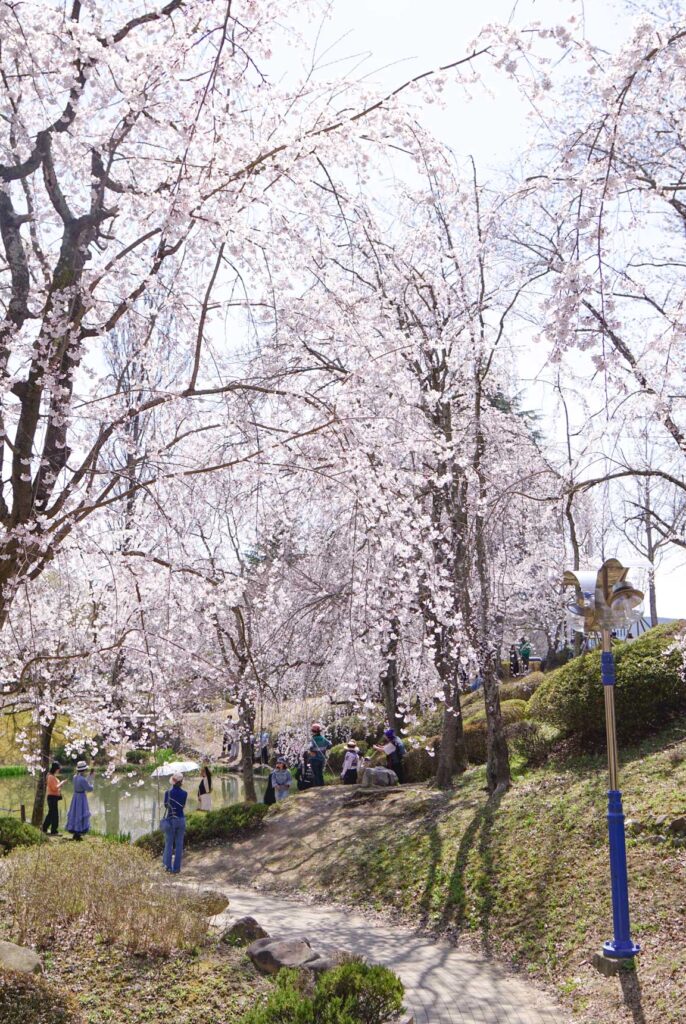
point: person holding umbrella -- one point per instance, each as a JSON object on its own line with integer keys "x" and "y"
{"x": 79, "y": 816}
{"x": 174, "y": 825}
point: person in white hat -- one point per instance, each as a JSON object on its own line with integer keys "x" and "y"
{"x": 79, "y": 816}
{"x": 351, "y": 762}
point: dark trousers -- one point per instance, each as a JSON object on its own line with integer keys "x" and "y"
{"x": 397, "y": 768}
{"x": 317, "y": 765}
{"x": 52, "y": 818}
{"x": 350, "y": 777}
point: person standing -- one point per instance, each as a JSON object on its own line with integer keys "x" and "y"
{"x": 54, "y": 785}
{"x": 351, "y": 762}
{"x": 394, "y": 749}
{"x": 281, "y": 780}
{"x": 205, "y": 789}
{"x": 514, "y": 661}
{"x": 264, "y": 747}
{"x": 524, "y": 653}
{"x": 319, "y": 745}
{"x": 304, "y": 776}
{"x": 79, "y": 816}
{"x": 174, "y": 825}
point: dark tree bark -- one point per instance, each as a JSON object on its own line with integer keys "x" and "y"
{"x": 42, "y": 781}
{"x": 389, "y": 677}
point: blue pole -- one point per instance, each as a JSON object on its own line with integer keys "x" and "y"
{"x": 621, "y": 946}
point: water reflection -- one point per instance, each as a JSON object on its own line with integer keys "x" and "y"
{"x": 123, "y": 805}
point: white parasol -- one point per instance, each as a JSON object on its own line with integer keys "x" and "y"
{"x": 176, "y": 768}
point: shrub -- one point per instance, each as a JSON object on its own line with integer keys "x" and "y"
{"x": 353, "y": 993}
{"x": 29, "y": 999}
{"x": 521, "y": 689}
{"x": 532, "y": 740}
{"x": 14, "y": 832}
{"x": 202, "y": 827}
{"x": 650, "y": 689}
{"x": 418, "y": 763}
{"x": 335, "y": 759}
{"x": 475, "y": 727}
{"x": 136, "y": 756}
{"x": 106, "y": 889}
{"x": 359, "y": 993}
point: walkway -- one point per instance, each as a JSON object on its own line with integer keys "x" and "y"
{"x": 443, "y": 985}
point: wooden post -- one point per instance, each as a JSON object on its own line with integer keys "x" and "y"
{"x": 22, "y": 812}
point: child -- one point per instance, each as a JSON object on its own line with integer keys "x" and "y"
{"x": 281, "y": 780}
{"x": 351, "y": 763}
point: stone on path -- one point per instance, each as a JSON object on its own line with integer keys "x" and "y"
{"x": 209, "y": 902}
{"x": 19, "y": 958}
{"x": 270, "y": 955}
{"x": 243, "y": 931}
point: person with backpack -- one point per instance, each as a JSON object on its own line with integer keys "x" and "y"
{"x": 394, "y": 749}
{"x": 319, "y": 745}
{"x": 304, "y": 776}
{"x": 351, "y": 762}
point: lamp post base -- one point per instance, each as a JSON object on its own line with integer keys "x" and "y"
{"x": 620, "y": 950}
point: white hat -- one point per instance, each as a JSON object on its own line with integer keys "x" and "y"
{"x": 81, "y": 766}
{"x": 177, "y": 777}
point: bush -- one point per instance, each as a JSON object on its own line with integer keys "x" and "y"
{"x": 106, "y": 889}
{"x": 136, "y": 756}
{"x": 353, "y": 993}
{"x": 202, "y": 827}
{"x": 418, "y": 763}
{"x": 335, "y": 758}
{"x": 521, "y": 689}
{"x": 650, "y": 689}
{"x": 29, "y": 999}
{"x": 475, "y": 731}
{"x": 359, "y": 993}
{"x": 14, "y": 832}
{"x": 532, "y": 740}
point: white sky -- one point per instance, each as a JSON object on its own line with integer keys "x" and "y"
{"x": 390, "y": 41}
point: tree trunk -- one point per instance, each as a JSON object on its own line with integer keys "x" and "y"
{"x": 389, "y": 678}
{"x": 498, "y": 762}
{"x": 248, "y": 772}
{"x": 42, "y": 781}
{"x": 452, "y": 754}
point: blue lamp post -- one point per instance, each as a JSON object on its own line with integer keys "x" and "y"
{"x": 605, "y": 600}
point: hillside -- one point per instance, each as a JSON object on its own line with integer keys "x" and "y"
{"x": 525, "y": 878}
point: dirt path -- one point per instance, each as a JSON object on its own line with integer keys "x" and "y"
{"x": 299, "y": 846}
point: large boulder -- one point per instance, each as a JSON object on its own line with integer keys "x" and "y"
{"x": 383, "y": 777}
{"x": 209, "y": 902}
{"x": 18, "y": 958}
{"x": 270, "y": 955}
{"x": 243, "y": 931}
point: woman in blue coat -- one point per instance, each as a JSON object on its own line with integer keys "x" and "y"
{"x": 79, "y": 816}
{"x": 174, "y": 825}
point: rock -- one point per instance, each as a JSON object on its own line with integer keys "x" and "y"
{"x": 270, "y": 955}
{"x": 659, "y": 819}
{"x": 19, "y": 958}
{"x": 244, "y": 931}
{"x": 376, "y": 777}
{"x": 605, "y": 965}
{"x": 678, "y": 827}
{"x": 319, "y": 964}
{"x": 209, "y": 901}
{"x": 634, "y": 827}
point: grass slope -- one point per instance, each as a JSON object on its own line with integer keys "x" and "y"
{"x": 526, "y": 876}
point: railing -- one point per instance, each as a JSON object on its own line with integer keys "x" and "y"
{"x": 13, "y": 810}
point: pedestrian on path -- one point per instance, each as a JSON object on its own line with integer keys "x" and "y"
{"x": 351, "y": 762}
{"x": 174, "y": 825}
{"x": 52, "y": 818}
{"x": 319, "y": 745}
{"x": 205, "y": 788}
{"x": 281, "y": 780}
{"x": 394, "y": 749}
{"x": 79, "y": 816}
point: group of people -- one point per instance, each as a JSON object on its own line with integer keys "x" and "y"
{"x": 309, "y": 770}
{"x": 78, "y": 815}
{"x": 520, "y": 653}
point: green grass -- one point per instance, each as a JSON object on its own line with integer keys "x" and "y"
{"x": 9, "y": 771}
{"x": 527, "y": 874}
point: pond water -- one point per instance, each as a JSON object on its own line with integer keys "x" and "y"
{"x": 122, "y": 805}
